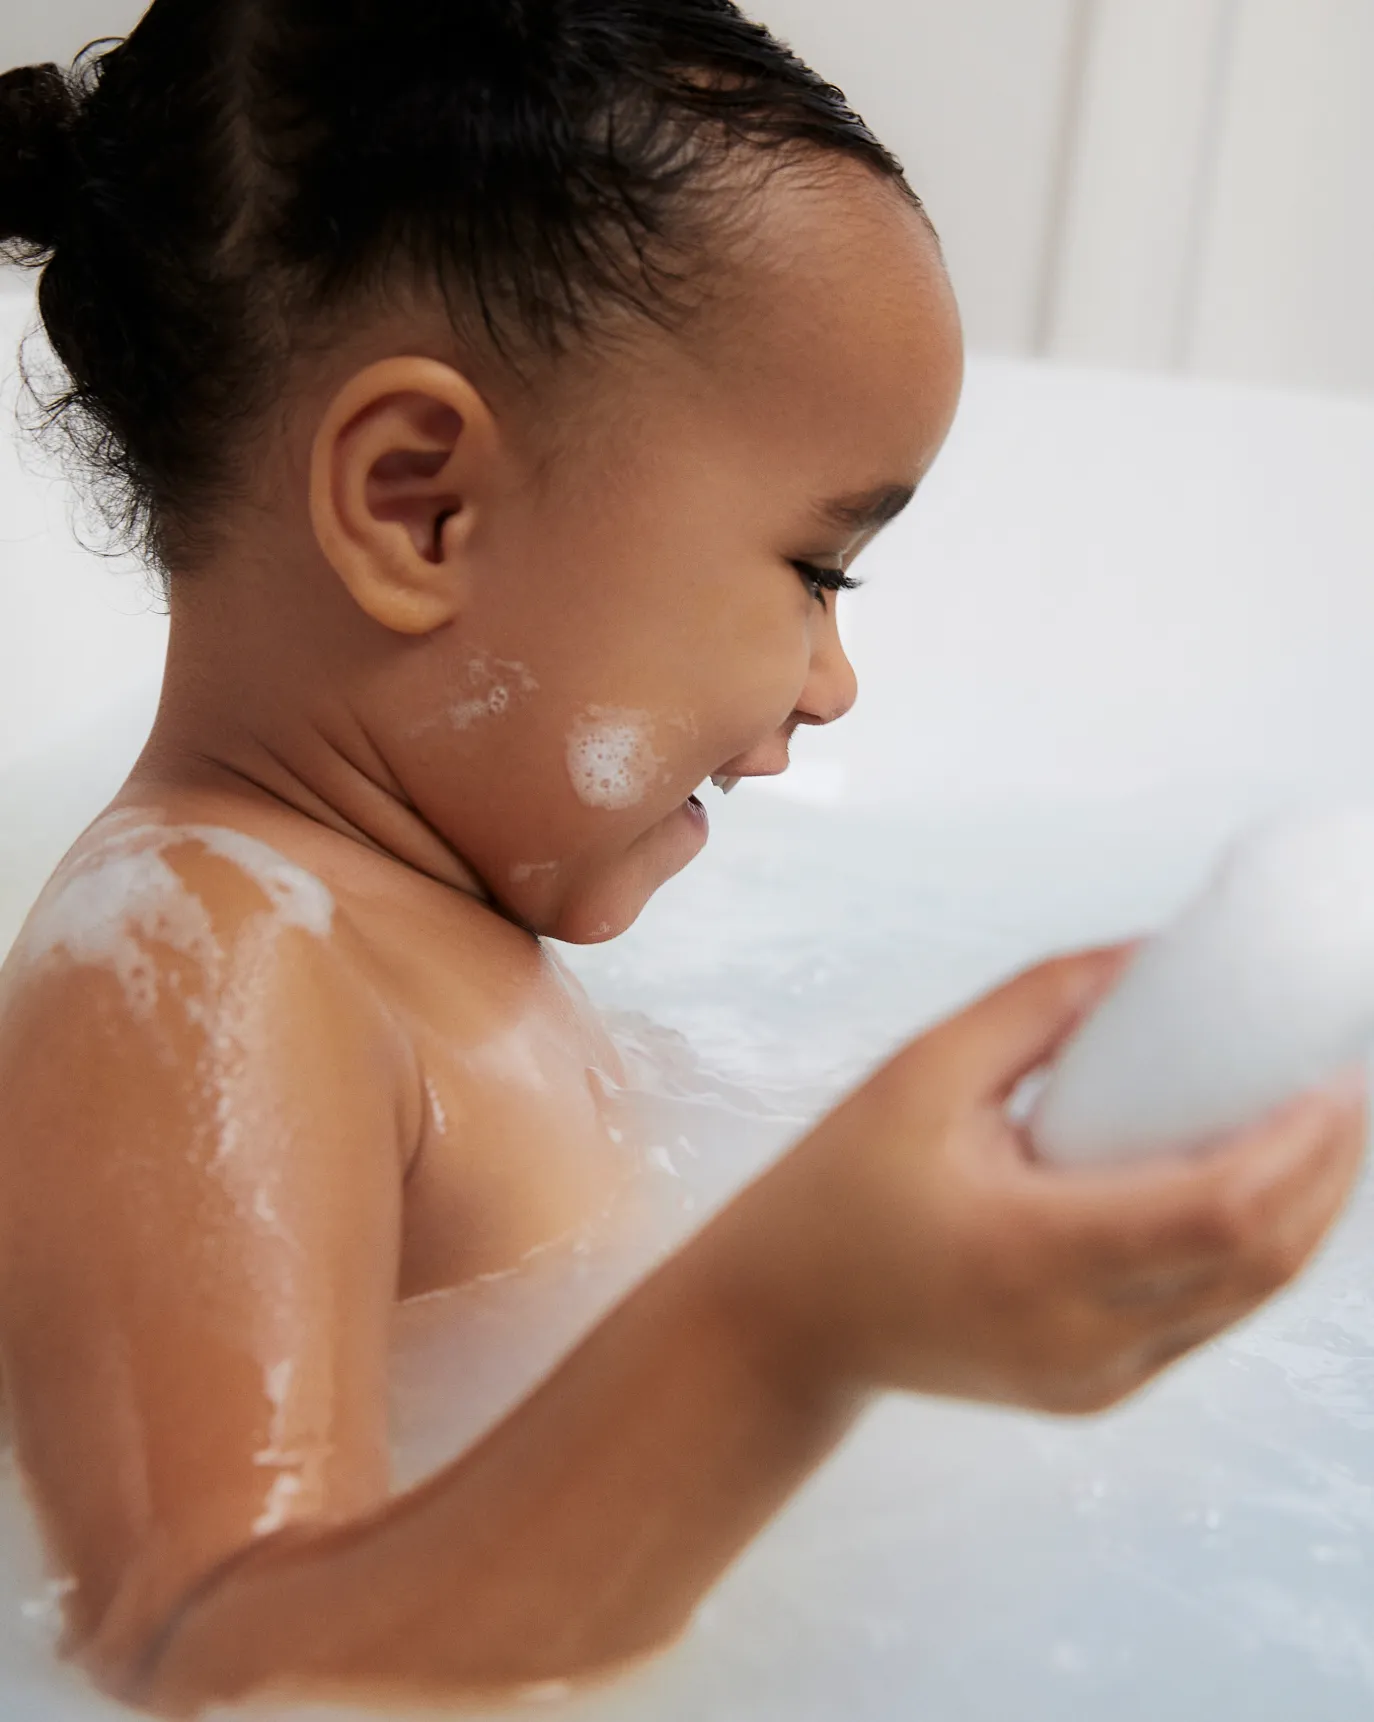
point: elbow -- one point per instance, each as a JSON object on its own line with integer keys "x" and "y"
{"x": 170, "y": 1655}
{"x": 133, "y": 1668}
{"x": 236, "y": 1636}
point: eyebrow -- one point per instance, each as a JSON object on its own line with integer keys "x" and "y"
{"x": 867, "y": 509}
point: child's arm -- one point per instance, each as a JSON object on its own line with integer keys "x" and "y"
{"x": 906, "y": 1242}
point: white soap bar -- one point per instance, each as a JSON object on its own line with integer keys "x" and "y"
{"x": 1262, "y": 989}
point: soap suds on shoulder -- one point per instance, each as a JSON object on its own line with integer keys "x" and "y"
{"x": 120, "y": 895}
{"x": 298, "y": 898}
{"x": 119, "y": 904}
{"x": 108, "y": 908}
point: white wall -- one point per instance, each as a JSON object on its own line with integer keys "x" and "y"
{"x": 58, "y": 29}
{"x": 1136, "y": 185}
{"x": 76, "y": 633}
{"x": 1287, "y": 280}
{"x": 971, "y": 94}
{"x": 1166, "y": 184}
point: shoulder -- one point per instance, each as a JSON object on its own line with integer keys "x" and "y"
{"x": 185, "y": 887}
{"x": 161, "y": 953}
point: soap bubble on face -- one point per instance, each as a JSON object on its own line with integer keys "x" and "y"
{"x": 495, "y": 685}
{"x": 523, "y": 871}
{"x": 611, "y": 760}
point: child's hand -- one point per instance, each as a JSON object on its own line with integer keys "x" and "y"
{"x": 912, "y": 1241}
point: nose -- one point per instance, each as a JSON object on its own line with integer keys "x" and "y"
{"x": 831, "y": 686}
{"x": 829, "y": 691}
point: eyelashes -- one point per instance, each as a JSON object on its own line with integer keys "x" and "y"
{"x": 823, "y": 580}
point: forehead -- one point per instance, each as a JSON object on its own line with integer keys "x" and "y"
{"x": 831, "y": 333}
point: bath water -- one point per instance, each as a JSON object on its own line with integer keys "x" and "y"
{"x": 1206, "y": 1549}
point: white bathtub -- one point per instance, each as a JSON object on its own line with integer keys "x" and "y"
{"x": 1128, "y": 616}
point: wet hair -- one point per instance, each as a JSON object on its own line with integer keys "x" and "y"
{"x": 205, "y": 195}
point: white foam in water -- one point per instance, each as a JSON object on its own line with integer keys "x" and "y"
{"x": 463, "y": 1358}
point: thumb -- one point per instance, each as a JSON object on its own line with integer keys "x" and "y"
{"x": 1002, "y": 1037}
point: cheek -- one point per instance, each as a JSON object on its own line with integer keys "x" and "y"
{"x": 611, "y": 757}
{"x": 761, "y": 656}
{"x": 651, "y": 674}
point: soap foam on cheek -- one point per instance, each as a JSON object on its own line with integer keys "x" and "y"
{"x": 610, "y": 755}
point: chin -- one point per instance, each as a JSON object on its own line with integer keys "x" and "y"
{"x": 609, "y": 899}
{"x": 576, "y": 926}
{"x": 604, "y": 911}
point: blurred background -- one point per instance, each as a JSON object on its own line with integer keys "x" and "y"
{"x": 1177, "y": 185}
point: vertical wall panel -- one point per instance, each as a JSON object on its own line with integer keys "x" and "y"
{"x": 1287, "y": 283}
{"x": 1138, "y": 182}
{"x": 969, "y": 93}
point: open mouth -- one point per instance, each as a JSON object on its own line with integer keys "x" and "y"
{"x": 721, "y": 781}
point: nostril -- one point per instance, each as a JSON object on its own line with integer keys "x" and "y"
{"x": 818, "y": 720}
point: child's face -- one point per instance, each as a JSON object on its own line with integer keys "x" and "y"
{"x": 632, "y": 619}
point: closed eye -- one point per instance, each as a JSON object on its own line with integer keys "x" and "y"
{"x": 823, "y": 580}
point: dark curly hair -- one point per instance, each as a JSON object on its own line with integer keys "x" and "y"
{"x": 205, "y": 194}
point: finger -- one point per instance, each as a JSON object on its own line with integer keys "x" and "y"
{"x": 1158, "y": 1353}
{"x": 1139, "y": 1354}
{"x": 1283, "y": 1245}
{"x": 992, "y": 1044}
{"x": 1275, "y": 1253}
{"x": 1273, "y": 1256}
{"x": 1155, "y": 1319}
{"x": 1290, "y": 1176}
{"x": 1160, "y": 1289}
{"x": 1128, "y": 1224}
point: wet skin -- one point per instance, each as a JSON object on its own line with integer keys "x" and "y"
{"x": 210, "y": 1208}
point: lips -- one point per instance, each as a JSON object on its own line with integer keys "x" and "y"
{"x": 723, "y": 781}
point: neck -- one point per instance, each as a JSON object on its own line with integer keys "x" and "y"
{"x": 269, "y": 732}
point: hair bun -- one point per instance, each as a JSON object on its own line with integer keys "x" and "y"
{"x": 38, "y": 111}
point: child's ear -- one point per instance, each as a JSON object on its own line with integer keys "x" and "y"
{"x": 400, "y": 470}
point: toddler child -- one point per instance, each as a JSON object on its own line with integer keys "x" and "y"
{"x": 504, "y": 390}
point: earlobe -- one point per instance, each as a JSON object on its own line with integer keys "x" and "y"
{"x": 400, "y": 471}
